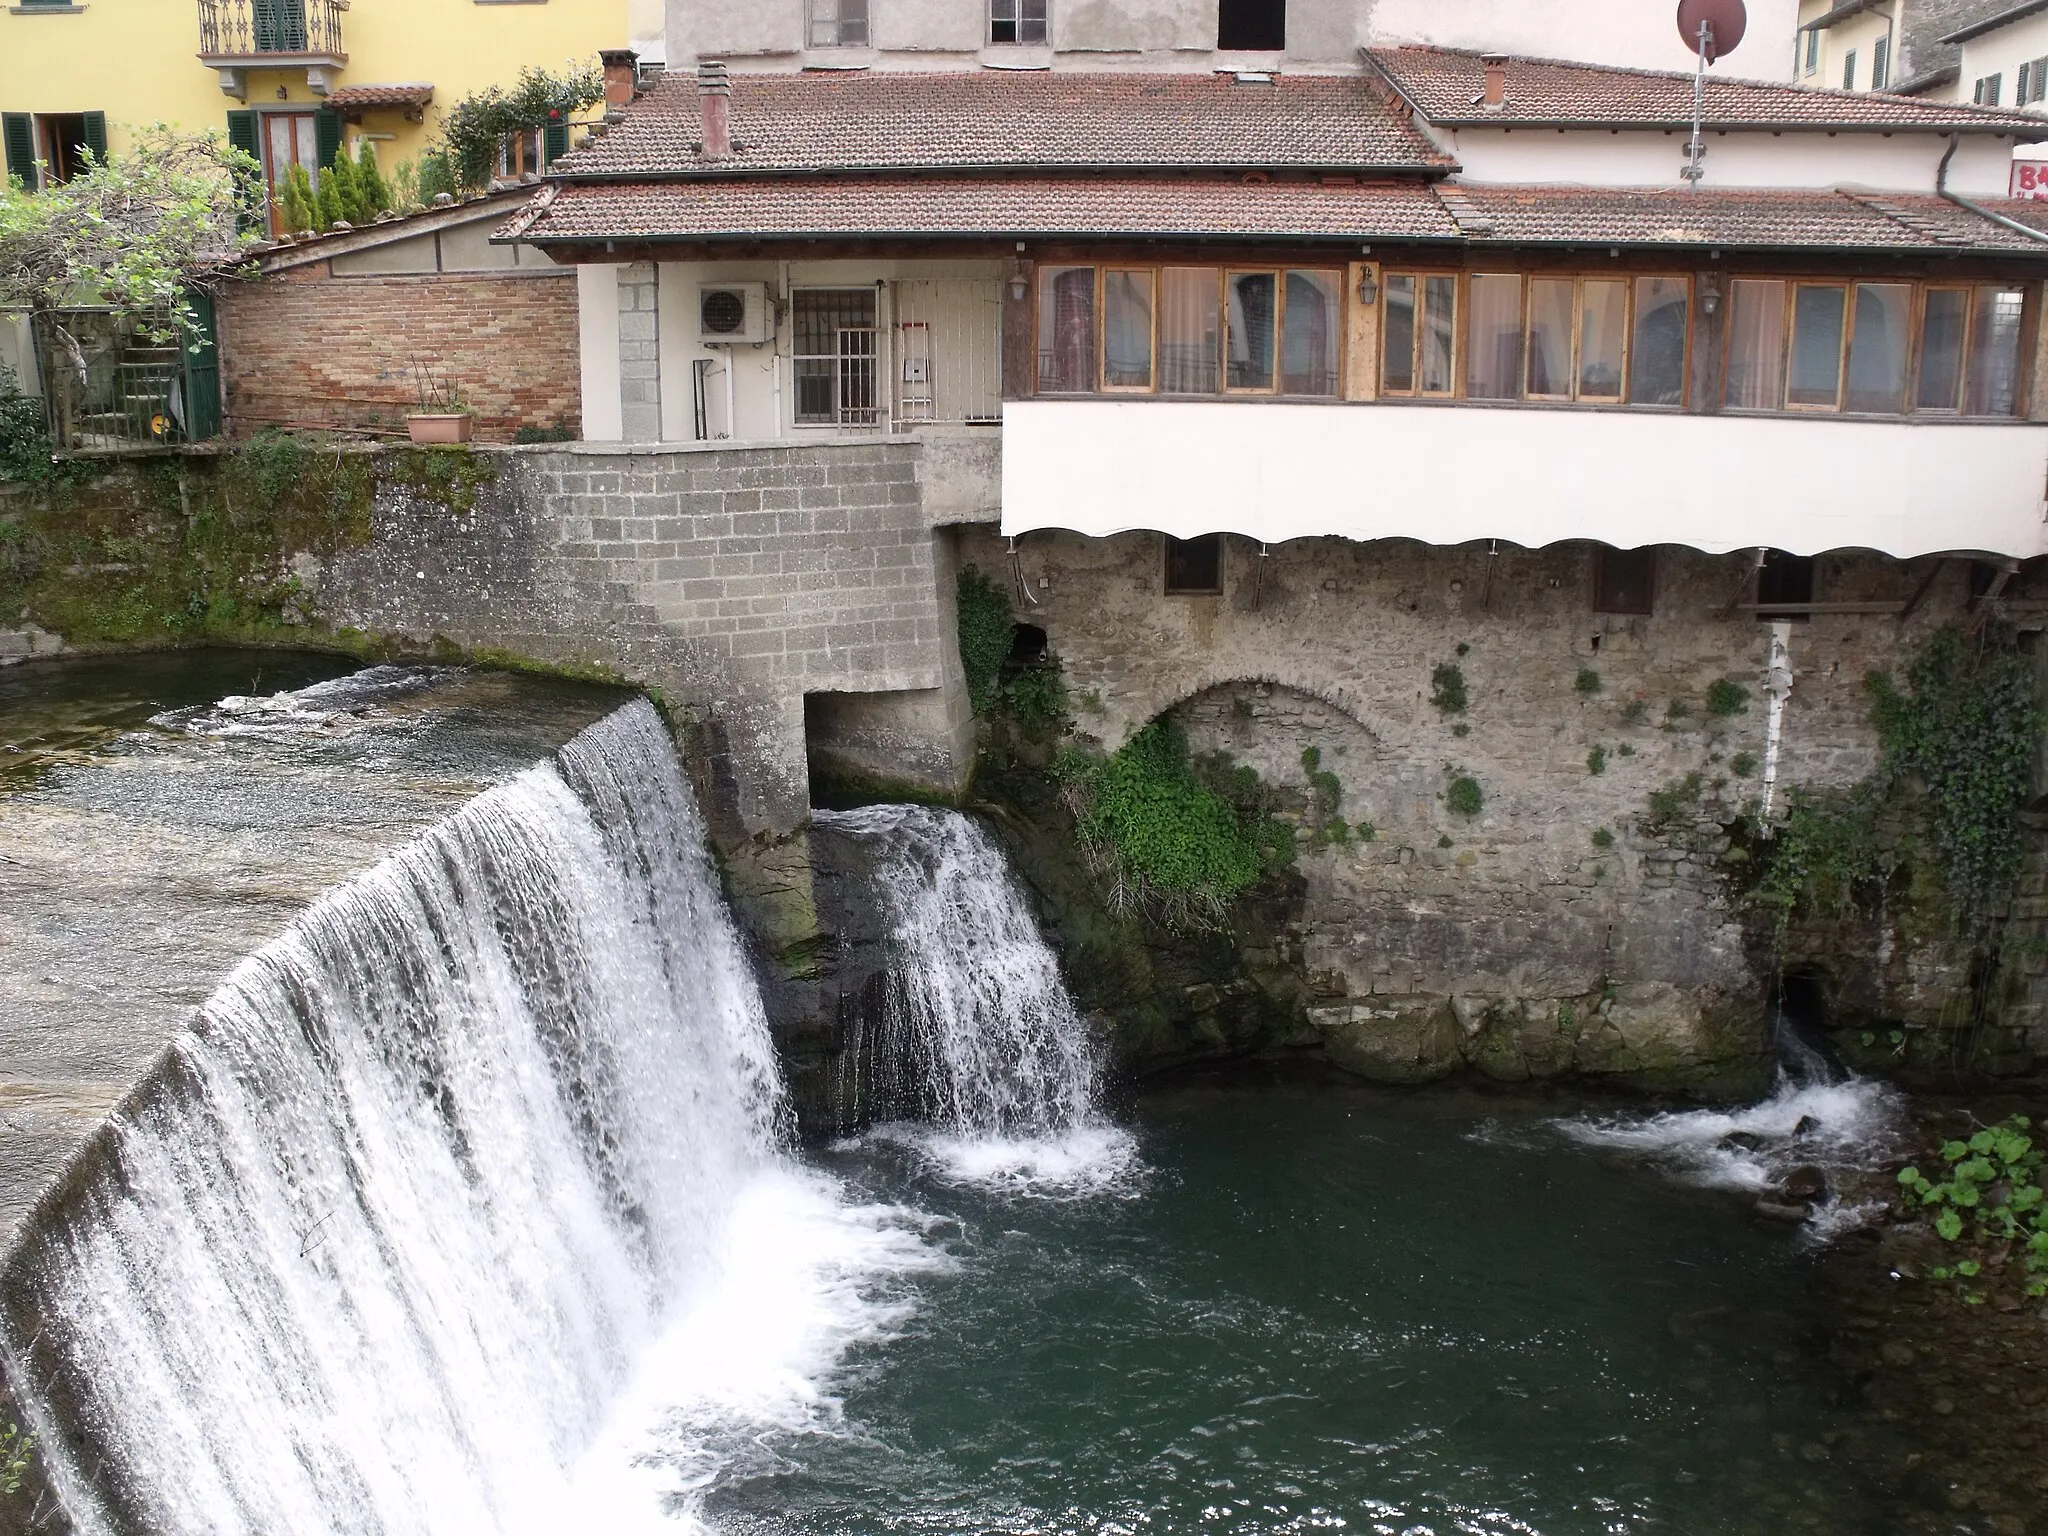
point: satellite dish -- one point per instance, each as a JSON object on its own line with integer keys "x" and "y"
{"x": 1725, "y": 21}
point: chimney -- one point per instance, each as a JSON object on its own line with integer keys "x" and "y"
{"x": 714, "y": 97}
{"x": 1496, "y": 69}
{"x": 621, "y": 76}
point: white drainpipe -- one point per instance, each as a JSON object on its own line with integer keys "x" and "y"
{"x": 1777, "y": 688}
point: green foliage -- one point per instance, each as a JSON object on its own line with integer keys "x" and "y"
{"x": 327, "y": 207}
{"x": 1326, "y": 798}
{"x": 1675, "y": 800}
{"x": 1635, "y": 711}
{"x": 1036, "y": 699}
{"x": 1463, "y": 650}
{"x": 1626, "y": 749}
{"x": 1726, "y": 697}
{"x": 338, "y": 189}
{"x": 17, "y": 1450}
{"x": 296, "y": 207}
{"x": 1596, "y": 760}
{"x": 1443, "y": 840}
{"x": 1675, "y": 711}
{"x": 436, "y": 178}
{"x": 1447, "y": 688}
{"x": 473, "y": 127}
{"x": 558, "y": 432}
{"x": 1587, "y": 682}
{"x": 27, "y": 452}
{"x": 131, "y": 233}
{"x": 1742, "y": 765}
{"x": 1826, "y": 854}
{"x": 1602, "y": 838}
{"x": 372, "y": 196}
{"x": 273, "y": 460}
{"x": 1173, "y": 842}
{"x": 1990, "y": 1191}
{"x": 1463, "y": 796}
{"x": 1965, "y": 731}
{"x": 987, "y": 632}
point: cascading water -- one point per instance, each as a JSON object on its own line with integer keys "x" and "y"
{"x": 391, "y": 1233}
{"x": 978, "y": 1034}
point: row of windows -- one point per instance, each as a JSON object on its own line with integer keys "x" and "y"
{"x": 1880, "y": 60}
{"x": 1624, "y": 580}
{"x": 2030, "y": 87}
{"x": 1190, "y": 330}
{"x": 1251, "y": 25}
{"x": 1878, "y": 348}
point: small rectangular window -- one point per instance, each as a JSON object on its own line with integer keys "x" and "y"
{"x": 1194, "y": 567}
{"x": 1016, "y": 21}
{"x": 1849, "y": 70}
{"x": 1127, "y": 330}
{"x": 839, "y": 23}
{"x": 1439, "y": 335}
{"x": 1310, "y": 340}
{"x": 1880, "y": 63}
{"x": 1944, "y": 324}
{"x": 1419, "y": 335}
{"x": 1550, "y": 338}
{"x": 1988, "y": 89}
{"x": 1657, "y": 353}
{"x": 833, "y": 356}
{"x": 1603, "y": 338}
{"x": 1624, "y": 580}
{"x": 1493, "y": 355}
{"x": 1878, "y": 344}
{"x": 1784, "y": 580}
{"x": 1995, "y": 352}
{"x": 1819, "y": 326}
{"x": 1398, "y": 334}
{"x": 2040, "y": 87}
{"x": 1755, "y": 375}
{"x": 2023, "y": 85}
{"x": 1258, "y": 26}
{"x": 1066, "y": 330}
{"x": 1254, "y": 322}
{"x": 1813, "y": 51}
{"x": 1190, "y": 339}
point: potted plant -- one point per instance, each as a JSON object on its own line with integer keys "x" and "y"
{"x": 443, "y": 415}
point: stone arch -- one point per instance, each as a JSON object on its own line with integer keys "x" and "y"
{"x": 1147, "y": 704}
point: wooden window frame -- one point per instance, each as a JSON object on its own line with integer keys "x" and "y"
{"x": 1685, "y": 284}
{"x": 1459, "y": 301}
{"x": 1844, "y": 287}
{"x": 1279, "y": 276}
{"x": 1102, "y": 384}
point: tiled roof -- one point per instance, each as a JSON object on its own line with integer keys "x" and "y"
{"x": 878, "y": 121}
{"x": 1736, "y": 220}
{"x": 1196, "y": 208}
{"x": 415, "y": 93}
{"x": 995, "y": 207}
{"x": 1446, "y": 85}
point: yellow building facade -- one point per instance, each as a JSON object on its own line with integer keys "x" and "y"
{"x": 291, "y": 80}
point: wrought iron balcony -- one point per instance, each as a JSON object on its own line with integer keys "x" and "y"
{"x": 258, "y": 32}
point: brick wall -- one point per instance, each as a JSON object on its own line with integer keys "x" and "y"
{"x": 308, "y": 349}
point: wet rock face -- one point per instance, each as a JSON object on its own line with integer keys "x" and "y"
{"x": 1392, "y": 1039}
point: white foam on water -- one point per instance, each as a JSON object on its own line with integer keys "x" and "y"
{"x": 979, "y": 1034}
{"x": 354, "y": 701}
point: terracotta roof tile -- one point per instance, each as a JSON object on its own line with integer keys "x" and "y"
{"x": 1446, "y": 85}
{"x": 1057, "y": 206}
{"x": 870, "y": 121}
{"x": 1196, "y": 208}
{"x": 418, "y": 93}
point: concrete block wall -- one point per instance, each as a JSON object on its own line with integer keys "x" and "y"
{"x": 306, "y": 349}
{"x": 639, "y": 353}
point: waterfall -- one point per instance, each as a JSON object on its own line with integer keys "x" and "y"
{"x": 978, "y": 1035}
{"x": 380, "y": 1244}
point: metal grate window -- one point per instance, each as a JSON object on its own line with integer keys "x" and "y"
{"x": 834, "y": 357}
{"x": 1016, "y": 21}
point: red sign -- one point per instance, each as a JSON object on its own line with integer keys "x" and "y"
{"x": 2030, "y": 179}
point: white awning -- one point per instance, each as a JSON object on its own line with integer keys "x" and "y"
{"x": 1275, "y": 471}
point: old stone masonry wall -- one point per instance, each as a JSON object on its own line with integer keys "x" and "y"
{"x": 1582, "y": 919}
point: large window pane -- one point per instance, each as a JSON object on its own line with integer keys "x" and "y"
{"x": 1947, "y": 321}
{"x": 1815, "y": 374}
{"x": 1550, "y": 336}
{"x": 1755, "y": 379}
{"x": 1493, "y": 357}
{"x": 1995, "y": 352}
{"x": 1309, "y": 343}
{"x": 1190, "y": 353}
{"x": 1603, "y": 332}
{"x": 1066, "y": 330}
{"x": 1398, "y": 335}
{"x": 1878, "y": 346}
{"x": 1439, "y": 334}
{"x": 1254, "y": 328}
{"x": 834, "y": 355}
{"x": 1127, "y": 330}
{"x": 1656, "y": 372}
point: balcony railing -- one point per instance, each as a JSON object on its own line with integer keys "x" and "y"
{"x": 301, "y": 30}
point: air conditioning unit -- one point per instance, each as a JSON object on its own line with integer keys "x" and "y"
{"x": 732, "y": 314}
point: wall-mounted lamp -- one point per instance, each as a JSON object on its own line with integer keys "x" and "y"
{"x": 283, "y": 94}
{"x": 1710, "y": 292}
{"x": 1368, "y": 287}
{"x": 1020, "y": 283}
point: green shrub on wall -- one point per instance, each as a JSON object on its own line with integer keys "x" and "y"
{"x": 987, "y": 631}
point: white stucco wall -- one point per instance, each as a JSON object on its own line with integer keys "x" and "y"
{"x": 1642, "y": 34}
{"x": 597, "y": 318}
{"x": 2002, "y": 52}
{"x": 1895, "y": 163}
{"x": 1452, "y": 474}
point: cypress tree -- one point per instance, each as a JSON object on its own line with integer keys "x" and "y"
{"x": 342, "y": 174}
{"x": 327, "y": 204}
{"x": 371, "y": 191}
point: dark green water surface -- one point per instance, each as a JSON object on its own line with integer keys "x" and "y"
{"x": 1327, "y": 1307}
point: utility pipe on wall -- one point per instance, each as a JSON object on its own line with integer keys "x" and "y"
{"x": 1777, "y": 688}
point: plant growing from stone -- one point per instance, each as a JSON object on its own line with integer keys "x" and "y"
{"x": 1991, "y": 1193}
{"x": 1447, "y": 688}
{"x": 1463, "y": 796}
{"x": 1675, "y": 800}
{"x": 987, "y": 633}
{"x": 1742, "y": 765}
{"x": 1596, "y": 760}
{"x": 1587, "y": 683}
{"x": 1726, "y": 697}
{"x": 1602, "y": 838}
{"x": 1635, "y": 711}
{"x": 17, "y": 1450}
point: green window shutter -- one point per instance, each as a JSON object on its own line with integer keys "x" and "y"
{"x": 243, "y": 134}
{"x": 327, "y": 135}
{"x": 557, "y": 138}
{"x": 96, "y": 135}
{"x": 19, "y": 129}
